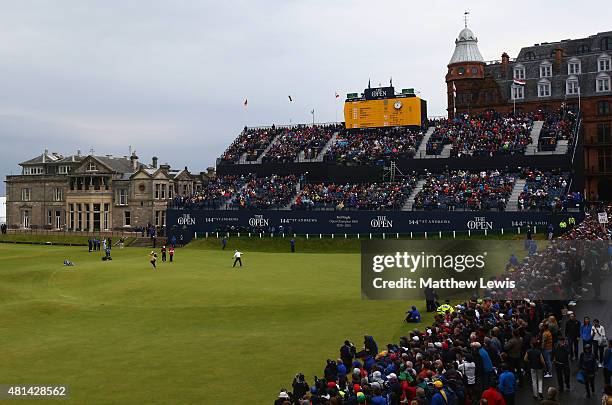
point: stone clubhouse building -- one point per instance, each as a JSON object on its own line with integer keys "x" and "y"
{"x": 95, "y": 193}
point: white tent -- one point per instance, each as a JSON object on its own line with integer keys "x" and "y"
{"x": 2, "y": 210}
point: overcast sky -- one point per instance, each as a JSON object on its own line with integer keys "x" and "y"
{"x": 170, "y": 77}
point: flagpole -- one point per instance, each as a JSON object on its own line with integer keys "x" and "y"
{"x": 454, "y": 100}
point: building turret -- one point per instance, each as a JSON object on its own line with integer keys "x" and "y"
{"x": 466, "y": 63}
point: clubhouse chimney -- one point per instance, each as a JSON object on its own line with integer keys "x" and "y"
{"x": 134, "y": 160}
{"x": 505, "y": 60}
{"x": 558, "y": 60}
{"x": 154, "y": 162}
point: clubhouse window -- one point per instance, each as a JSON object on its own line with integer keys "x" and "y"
{"x": 122, "y": 196}
{"x": 572, "y": 87}
{"x": 603, "y": 64}
{"x": 519, "y": 72}
{"x": 127, "y": 219}
{"x": 602, "y": 83}
{"x": 546, "y": 69}
{"x": 25, "y": 194}
{"x": 518, "y": 92}
{"x": 544, "y": 88}
{"x": 573, "y": 67}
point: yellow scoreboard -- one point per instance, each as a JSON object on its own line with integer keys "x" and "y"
{"x": 382, "y": 108}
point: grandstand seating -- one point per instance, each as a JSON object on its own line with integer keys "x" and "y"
{"x": 214, "y": 195}
{"x": 266, "y": 193}
{"x": 488, "y": 134}
{"x": 251, "y": 142}
{"x": 543, "y": 190}
{"x": 375, "y": 145}
{"x": 558, "y": 126}
{"x": 374, "y": 196}
{"x": 464, "y": 190}
{"x": 292, "y": 141}
{"x": 454, "y": 190}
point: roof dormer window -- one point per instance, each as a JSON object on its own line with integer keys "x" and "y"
{"x": 92, "y": 167}
{"x": 573, "y": 67}
{"x": 603, "y": 63}
{"x": 583, "y": 49}
{"x": 519, "y": 72}
{"x": 546, "y": 69}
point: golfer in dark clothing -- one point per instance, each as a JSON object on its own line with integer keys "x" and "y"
{"x": 292, "y": 242}
{"x": 237, "y": 258}
{"x": 223, "y": 243}
{"x": 163, "y": 252}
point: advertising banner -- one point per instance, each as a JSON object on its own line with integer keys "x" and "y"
{"x": 354, "y": 222}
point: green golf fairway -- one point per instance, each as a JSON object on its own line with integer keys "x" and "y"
{"x": 195, "y": 331}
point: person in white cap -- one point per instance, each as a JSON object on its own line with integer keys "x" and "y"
{"x": 282, "y": 397}
{"x": 153, "y": 256}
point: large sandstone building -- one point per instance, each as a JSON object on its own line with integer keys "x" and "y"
{"x": 94, "y": 193}
{"x": 573, "y": 72}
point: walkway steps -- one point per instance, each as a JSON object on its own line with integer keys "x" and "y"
{"x": 410, "y": 201}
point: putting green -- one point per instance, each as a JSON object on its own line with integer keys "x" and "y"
{"x": 193, "y": 332}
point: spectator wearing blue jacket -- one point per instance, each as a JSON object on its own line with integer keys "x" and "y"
{"x": 341, "y": 369}
{"x": 441, "y": 397}
{"x": 378, "y": 398}
{"x": 414, "y": 316}
{"x": 507, "y": 384}
{"x": 372, "y": 348}
{"x": 487, "y": 364}
{"x": 585, "y": 332}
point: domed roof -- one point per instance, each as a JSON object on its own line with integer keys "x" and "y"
{"x": 466, "y": 48}
{"x": 466, "y": 34}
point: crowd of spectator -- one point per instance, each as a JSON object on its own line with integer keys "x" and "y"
{"x": 292, "y": 141}
{"x": 543, "y": 191}
{"x": 480, "y": 351}
{"x": 485, "y": 190}
{"x": 213, "y": 195}
{"x": 252, "y": 142}
{"x": 453, "y": 190}
{"x": 375, "y": 145}
{"x": 487, "y": 134}
{"x": 557, "y": 126}
{"x": 266, "y": 193}
{"x": 491, "y": 350}
{"x": 355, "y": 196}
